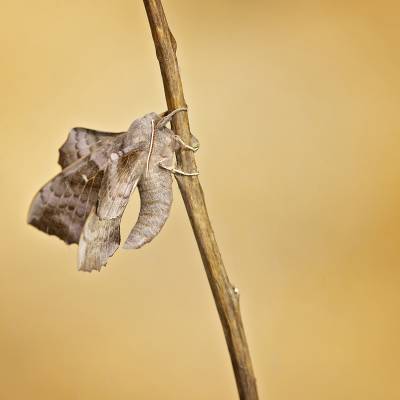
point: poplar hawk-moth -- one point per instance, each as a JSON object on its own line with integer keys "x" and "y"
{"x": 84, "y": 203}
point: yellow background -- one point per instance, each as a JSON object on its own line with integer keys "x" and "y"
{"x": 296, "y": 106}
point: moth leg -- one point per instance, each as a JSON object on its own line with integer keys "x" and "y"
{"x": 195, "y": 143}
{"x": 177, "y": 171}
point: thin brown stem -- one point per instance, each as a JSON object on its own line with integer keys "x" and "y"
{"x": 226, "y": 296}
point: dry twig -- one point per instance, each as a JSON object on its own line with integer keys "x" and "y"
{"x": 225, "y": 294}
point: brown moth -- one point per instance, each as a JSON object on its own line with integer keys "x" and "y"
{"x": 84, "y": 203}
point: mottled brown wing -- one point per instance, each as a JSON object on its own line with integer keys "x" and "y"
{"x": 61, "y": 207}
{"x": 82, "y": 142}
{"x": 120, "y": 179}
{"x": 100, "y": 237}
{"x": 99, "y": 241}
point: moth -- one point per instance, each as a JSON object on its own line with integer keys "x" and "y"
{"x": 85, "y": 202}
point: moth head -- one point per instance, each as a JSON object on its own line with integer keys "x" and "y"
{"x": 152, "y": 122}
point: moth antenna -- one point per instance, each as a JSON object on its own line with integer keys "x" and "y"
{"x": 151, "y": 146}
{"x": 167, "y": 117}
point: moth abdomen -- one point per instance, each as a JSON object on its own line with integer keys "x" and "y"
{"x": 155, "y": 205}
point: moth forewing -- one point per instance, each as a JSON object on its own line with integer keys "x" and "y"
{"x": 99, "y": 241}
{"x": 120, "y": 179}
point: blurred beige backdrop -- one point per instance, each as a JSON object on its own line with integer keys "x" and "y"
{"x": 296, "y": 106}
